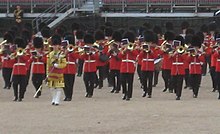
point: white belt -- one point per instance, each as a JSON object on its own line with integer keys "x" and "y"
{"x": 178, "y": 63}
{"x": 71, "y": 63}
{"x": 218, "y": 60}
{"x": 148, "y": 60}
{"x": 89, "y": 61}
{"x": 132, "y": 61}
{"x": 38, "y": 63}
{"x": 195, "y": 63}
{"x": 20, "y": 64}
{"x": 5, "y": 58}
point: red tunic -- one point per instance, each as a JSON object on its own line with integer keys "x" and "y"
{"x": 147, "y": 61}
{"x": 89, "y": 62}
{"x": 196, "y": 64}
{"x": 20, "y": 66}
{"x": 128, "y": 61}
{"x": 178, "y": 64}
{"x": 71, "y": 63}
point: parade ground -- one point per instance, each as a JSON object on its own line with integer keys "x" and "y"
{"x": 107, "y": 113}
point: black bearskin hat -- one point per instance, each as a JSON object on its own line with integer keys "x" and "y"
{"x": 184, "y": 25}
{"x": 38, "y": 42}
{"x": 149, "y": 36}
{"x": 130, "y": 35}
{"x": 8, "y": 37}
{"x": 108, "y": 31}
{"x": 204, "y": 28}
{"x": 157, "y": 29}
{"x": 190, "y": 31}
{"x": 169, "y": 36}
{"x": 79, "y": 34}
{"x": 188, "y": 39}
{"x": 26, "y": 35}
{"x": 196, "y": 41}
{"x": 201, "y": 36}
{"x": 99, "y": 35}
{"x": 70, "y": 38}
{"x": 117, "y": 36}
{"x": 20, "y": 42}
{"x": 89, "y": 39}
{"x": 180, "y": 38}
{"x": 45, "y": 32}
{"x": 212, "y": 26}
{"x": 56, "y": 39}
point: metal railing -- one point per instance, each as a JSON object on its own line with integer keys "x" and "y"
{"x": 60, "y": 6}
{"x": 167, "y": 4}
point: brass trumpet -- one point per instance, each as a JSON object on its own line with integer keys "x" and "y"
{"x": 146, "y": 48}
{"x": 180, "y": 49}
{"x": 70, "y": 48}
{"x": 20, "y": 52}
{"x": 130, "y": 46}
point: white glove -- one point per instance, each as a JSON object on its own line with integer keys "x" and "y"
{"x": 55, "y": 65}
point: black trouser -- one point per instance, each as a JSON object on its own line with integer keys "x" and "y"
{"x": 19, "y": 80}
{"x": 195, "y": 82}
{"x": 100, "y": 78}
{"x": 127, "y": 79}
{"x": 218, "y": 81}
{"x": 166, "y": 74}
{"x": 139, "y": 73}
{"x": 156, "y": 74}
{"x": 187, "y": 79}
{"x": 115, "y": 79}
{"x": 27, "y": 78}
{"x": 69, "y": 80}
{"x": 89, "y": 80}
{"x": 6, "y": 73}
{"x": 37, "y": 80}
{"x": 177, "y": 83}
{"x": 147, "y": 77}
{"x": 213, "y": 77}
{"x": 80, "y": 67}
{"x": 204, "y": 66}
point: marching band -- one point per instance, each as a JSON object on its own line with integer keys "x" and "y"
{"x": 115, "y": 55}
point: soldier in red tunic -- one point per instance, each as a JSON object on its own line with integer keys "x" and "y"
{"x": 115, "y": 62}
{"x": 128, "y": 65}
{"x": 19, "y": 72}
{"x": 70, "y": 70}
{"x": 177, "y": 70}
{"x": 195, "y": 59}
{"x": 89, "y": 69}
{"x": 38, "y": 60}
{"x": 147, "y": 57}
{"x": 7, "y": 63}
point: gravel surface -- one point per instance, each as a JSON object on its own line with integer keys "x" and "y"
{"x": 107, "y": 113}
